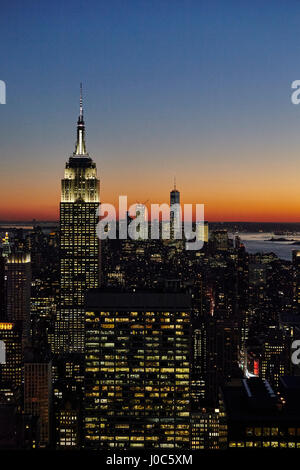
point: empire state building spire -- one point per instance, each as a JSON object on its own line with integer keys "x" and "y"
{"x": 79, "y": 245}
{"x": 80, "y": 147}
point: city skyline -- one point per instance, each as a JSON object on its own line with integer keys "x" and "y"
{"x": 132, "y": 200}
{"x": 168, "y": 330}
{"x": 200, "y": 91}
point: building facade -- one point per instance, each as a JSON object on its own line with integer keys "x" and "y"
{"x": 18, "y": 273}
{"x": 37, "y": 396}
{"x": 137, "y": 370}
{"x": 79, "y": 244}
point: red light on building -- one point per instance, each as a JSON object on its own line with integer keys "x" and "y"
{"x": 256, "y": 367}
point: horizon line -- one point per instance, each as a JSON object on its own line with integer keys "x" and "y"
{"x": 35, "y": 221}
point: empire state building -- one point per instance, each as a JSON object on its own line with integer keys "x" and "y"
{"x": 79, "y": 244}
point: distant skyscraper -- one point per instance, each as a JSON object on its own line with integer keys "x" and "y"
{"x": 174, "y": 214}
{"x": 18, "y": 270}
{"x": 174, "y": 195}
{"x": 219, "y": 240}
{"x": 79, "y": 244}
{"x": 143, "y": 226}
{"x": 6, "y": 245}
{"x": 202, "y": 231}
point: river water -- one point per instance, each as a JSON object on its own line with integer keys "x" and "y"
{"x": 256, "y": 243}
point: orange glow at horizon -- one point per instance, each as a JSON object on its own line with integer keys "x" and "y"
{"x": 228, "y": 196}
{"x": 216, "y": 207}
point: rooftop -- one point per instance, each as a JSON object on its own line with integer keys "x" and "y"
{"x": 116, "y": 299}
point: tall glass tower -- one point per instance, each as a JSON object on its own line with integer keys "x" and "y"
{"x": 175, "y": 219}
{"x": 79, "y": 244}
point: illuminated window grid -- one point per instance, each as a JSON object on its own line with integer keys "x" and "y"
{"x": 138, "y": 365}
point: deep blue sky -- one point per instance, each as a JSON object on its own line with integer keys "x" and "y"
{"x": 200, "y": 89}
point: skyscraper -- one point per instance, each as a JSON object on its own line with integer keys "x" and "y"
{"x": 2, "y": 287}
{"x": 137, "y": 370}
{"x": 142, "y": 228}
{"x": 219, "y": 240}
{"x": 175, "y": 219}
{"x": 11, "y": 369}
{"x": 79, "y": 244}
{"x": 6, "y": 245}
{"x": 174, "y": 195}
{"x": 18, "y": 271}
{"x": 37, "y": 394}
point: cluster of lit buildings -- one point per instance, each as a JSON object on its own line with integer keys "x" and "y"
{"x": 140, "y": 343}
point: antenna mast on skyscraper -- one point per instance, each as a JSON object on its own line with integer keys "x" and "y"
{"x": 81, "y": 101}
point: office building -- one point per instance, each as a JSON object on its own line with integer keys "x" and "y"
{"x": 37, "y": 395}
{"x": 18, "y": 273}
{"x": 137, "y": 370}
{"x": 259, "y": 418}
{"x": 79, "y": 244}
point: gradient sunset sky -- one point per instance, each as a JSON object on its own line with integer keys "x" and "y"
{"x": 197, "y": 89}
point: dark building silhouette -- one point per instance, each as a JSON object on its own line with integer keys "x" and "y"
{"x": 38, "y": 393}
{"x": 259, "y": 418}
{"x": 18, "y": 290}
